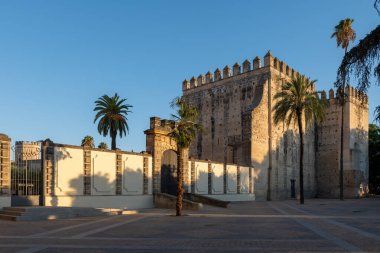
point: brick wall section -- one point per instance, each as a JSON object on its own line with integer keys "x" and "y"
{"x": 47, "y": 163}
{"x": 146, "y": 175}
{"x": 209, "y": 176}
{"x": 119, "y": 172}
{"x": 250, "y": 182}
{"x": 86, "y": 171}
{"x": 5, "y": 164}
{"x": 193, "y": 177}
{"x": 238, "y": 185}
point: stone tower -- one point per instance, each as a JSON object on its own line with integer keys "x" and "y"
{"x": 355, "y": 146}
{"x": 238, "y": 128}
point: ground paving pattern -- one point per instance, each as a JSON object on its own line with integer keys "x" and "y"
{"x": 276, "y": 226}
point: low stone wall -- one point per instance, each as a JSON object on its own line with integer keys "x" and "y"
{"x": 163, "y": 200}
{"x": 205, "y": 200}
{"x": 5, "y": 201}
{"x": 233, "y": 197}
{"x": 227, "y": 182}
{"x": 122, "y": 202}
{"x": 84, "y": 177}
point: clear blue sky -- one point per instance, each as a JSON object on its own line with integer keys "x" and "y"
{"x": 57, "y": 57}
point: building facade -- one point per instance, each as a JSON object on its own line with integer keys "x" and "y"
{"x": 27, "y": 151}
{"x": 236, "y": 113}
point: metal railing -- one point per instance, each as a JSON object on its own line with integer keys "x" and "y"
{"x": 26, "y": 171}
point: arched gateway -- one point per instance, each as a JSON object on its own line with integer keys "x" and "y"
{"x": 163, "y": 149}
{"x": 169, "y": 164}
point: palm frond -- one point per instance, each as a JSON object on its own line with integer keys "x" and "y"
{"x": 298, "y": 98}
{"x": 186, "y": 128}
{"x": 377, "y": 114}
{"x": 112, "y": 115}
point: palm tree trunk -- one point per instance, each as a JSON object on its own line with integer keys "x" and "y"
{"x": 179, "y": 182}
{"x": 341, "y": 186}
{"x": 299, "y": 118}
{"x": 341, "y": 153}
{"x": 113, "y": 143}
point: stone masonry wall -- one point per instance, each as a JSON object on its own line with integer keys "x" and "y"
{"x": 355, "y": 146}
{"x": 284, "y": 143}
{"x": 237, "y": 118}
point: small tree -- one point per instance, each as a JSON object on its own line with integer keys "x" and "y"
{"x": 374, "y": 158}
{"x": 88, "y": 141}
{"x": 183, "y": 133}
{"x": 103, "y": 145}
{"x": 112, "y": 114}
{"x": 295, "y": 102}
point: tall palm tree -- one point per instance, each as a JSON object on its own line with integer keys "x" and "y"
{"x": 112, "y": 114}
{"x": 183, "y": 133}
{"x": 88, "y": 141}
{"x": 343, "y": 34}
{"x": 297, "y": 102}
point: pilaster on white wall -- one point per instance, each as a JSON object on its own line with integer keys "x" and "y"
{"x": 150, "y": 175}
{"x": 188, "y": 187}
{"x": 103, "y": 173}
{"x": 68, "y": 171}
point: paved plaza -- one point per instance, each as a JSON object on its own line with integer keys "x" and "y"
{"x": 278, "y": 226}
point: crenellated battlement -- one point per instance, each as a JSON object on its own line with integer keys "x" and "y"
{"x": 352, "y": 94}
{"x": 27, "y": 143}
{"x": 157, "y": 123}
{"x": 237, "y": 69}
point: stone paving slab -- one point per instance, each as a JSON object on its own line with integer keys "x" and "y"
{"x": 222, "y": 227}
{"x": 277, "y": 226}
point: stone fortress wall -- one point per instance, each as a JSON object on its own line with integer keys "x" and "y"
{"x": 355, "y": 145}
{"x": 238, "y": 128}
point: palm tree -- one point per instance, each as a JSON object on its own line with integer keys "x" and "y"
{"x": 103, "y": 145}
{"x": 183, "y": 133}
{"x": 295, "y": 102}
{"x": 112, "y": 114}
{"x": 377, "y": 114}
{"x": 362, "y": 60}
{"x": 343, "y": 34}
{"x": 88, "y": 141}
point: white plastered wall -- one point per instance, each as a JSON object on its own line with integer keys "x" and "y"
{"x": 244, "y": 180}
{"x": 68, "y": 181}
{"x": 217, "y": 178}
{"x": 201, "y": 177}
{"x": 231, "y": 179}
{"x": 103, "y": 173}
{"x": 68, "y": 171}
{"x": 133, "y": 174}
